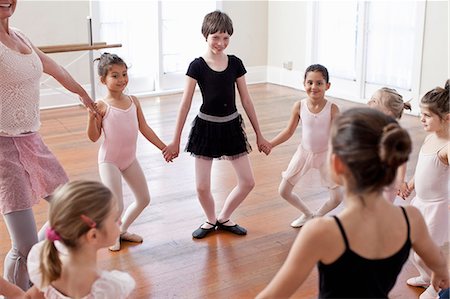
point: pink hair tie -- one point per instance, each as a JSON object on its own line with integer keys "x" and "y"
{"x": 52, "y": 235}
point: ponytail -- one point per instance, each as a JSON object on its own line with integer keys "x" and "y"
{"x": 50, "y": 265}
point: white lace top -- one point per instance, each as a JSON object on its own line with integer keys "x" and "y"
{"x": 19, "y": 89}
{"x": 111, "y": 284}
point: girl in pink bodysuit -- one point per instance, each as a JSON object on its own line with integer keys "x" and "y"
{"x": 315, "y": 114}
{"x": 120, "y": 120}
{"x": 431, "y": 178}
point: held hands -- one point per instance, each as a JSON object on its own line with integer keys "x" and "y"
{"x": 264, "y": 145}
{"x": 405, "y": 190}
{"x": 94, "y": 112}
{"x": 171, "y": 152}
{"x": 440, "y": 281}
{"x": 88, "y": 103}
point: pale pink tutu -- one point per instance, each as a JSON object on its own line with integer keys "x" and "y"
{"x": 28, "y": 172}
{"x": 302, "y": 162}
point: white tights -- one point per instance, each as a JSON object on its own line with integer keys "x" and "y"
{"x": 111, "y": 177}
{"x": 245, "y": 184}
{"x": 286, "y": 191}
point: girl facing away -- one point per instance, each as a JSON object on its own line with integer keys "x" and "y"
{"x": 431, "y": 178}
{"x": 390, "y": 102}
{"x": 369, "y": 241}
{"x": 120, "y": 118}
{"x": 218, "y": 130}
{"x": 83, "y": 218}
{"x": 315, "y": 114}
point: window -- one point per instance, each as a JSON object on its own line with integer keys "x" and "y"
{"x": 159, "y": 38}
{"x": 367, "y": 45}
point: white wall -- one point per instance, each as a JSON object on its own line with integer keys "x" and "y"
{"x": 435, "y": 61}
{"x": 249, "y": 40}
{"x": 55, "y": 23}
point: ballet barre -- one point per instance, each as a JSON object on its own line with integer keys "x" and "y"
{"x": 89, "y": 47}
{"x": 77, "y": 47}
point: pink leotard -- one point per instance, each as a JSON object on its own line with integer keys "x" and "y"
{"x": 120, "y": 130}
{"x": 312, "y": 151}
{"x": 315, "y": 127}
{"x": 431, "y": 183}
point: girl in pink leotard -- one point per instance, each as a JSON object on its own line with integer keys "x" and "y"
{"x": 315, "y": 114}
{"x": 431, "y": 178}
{"x": 120, "y": 120}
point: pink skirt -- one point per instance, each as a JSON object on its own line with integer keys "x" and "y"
{"x": 302, "y": 162}
{"x": 28, "y": 172}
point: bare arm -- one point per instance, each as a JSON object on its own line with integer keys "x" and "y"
{"x": 306, "y": 251}
{"x": 62, "y": 76}
{"x": 263, "y": 144}
{"x": 290, "y": 128}
{"x": 428, "y": 251}
{"x": 94, "y": 126}
{"x": 145, "y": 129}
{"x": 172, "y": 150}
{"x": 10, "y": 290}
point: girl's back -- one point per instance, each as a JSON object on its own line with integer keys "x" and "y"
{"x": 368, "y": 246}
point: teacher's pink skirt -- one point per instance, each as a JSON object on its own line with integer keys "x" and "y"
{"x": 28, "y": 172}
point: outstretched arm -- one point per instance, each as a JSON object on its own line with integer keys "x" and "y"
{"x": 307, "y": 250}
{"x": 173, "y": 149}
{"x": 62, "y": 76}
{"x": 428, "y": 251}
{"x": 290, "y": 128}
{"x": 263, "y": 144}
{"x": 145, "y": 129}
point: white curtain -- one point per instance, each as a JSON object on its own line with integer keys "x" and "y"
{"x": 182, "y": 40}
{"x": 391, "y": 39}
{"x": 134, "y": 25}
{"x": 336, "y": 37}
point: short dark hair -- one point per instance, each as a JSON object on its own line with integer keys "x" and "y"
{"x": 318, "y": 68}
{"x": 217, "y": 21}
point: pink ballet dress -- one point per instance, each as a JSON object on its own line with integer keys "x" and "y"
{"x": 111, "y": 284}
{"x": 312, "y": 151}
{"x": 431, "y": 183}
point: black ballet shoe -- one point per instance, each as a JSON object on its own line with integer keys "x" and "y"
{"x": 201, "y": 232}
{"x": 235, "y": 229}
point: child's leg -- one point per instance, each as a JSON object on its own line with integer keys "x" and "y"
{"x": 245, "y": 184}
{"x": 334, "y": 190}
{"x": 203, "y": 182}
{"x": 22, "y": 230}
{"x": 286, "y": 191}
{"x": 332, "y": 203}
{"x": 111, "y": 177}
{"x": 136, "y": 180}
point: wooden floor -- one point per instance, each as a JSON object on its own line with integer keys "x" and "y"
{"x": 170, "y": 264}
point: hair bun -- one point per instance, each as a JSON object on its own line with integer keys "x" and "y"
{"x": 446, "y": 85}
{"x": 395, "y": 145}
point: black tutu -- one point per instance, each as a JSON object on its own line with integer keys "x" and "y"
{"x": 218, "y": 140}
